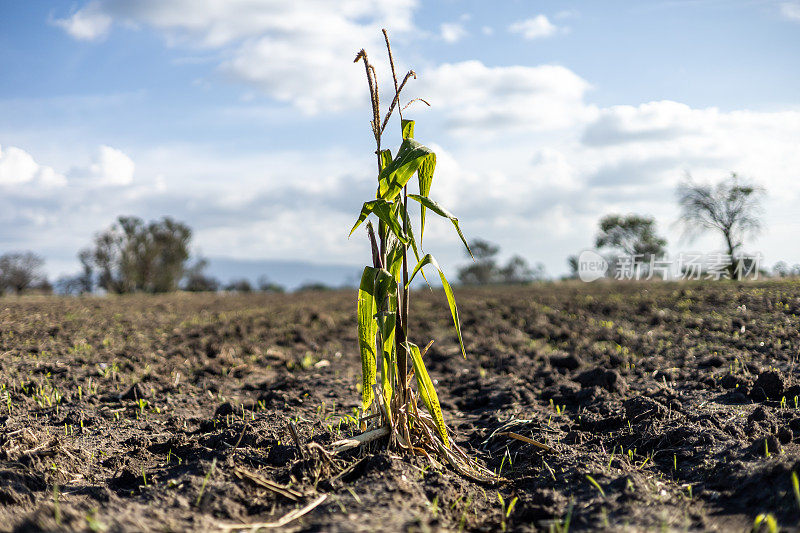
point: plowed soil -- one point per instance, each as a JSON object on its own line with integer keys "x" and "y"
{"x": 661, "y": 407}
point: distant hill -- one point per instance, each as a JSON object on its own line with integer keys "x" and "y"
{"x": 289, "y": 274}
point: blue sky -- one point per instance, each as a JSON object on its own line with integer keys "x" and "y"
{"x": 249, "y": 121}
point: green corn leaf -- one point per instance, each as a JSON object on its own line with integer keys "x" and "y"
{"x": 425, "y": 177}
{"x": 448, "y": 291}
{"x": 394, "y": 258}
{"x": 408, "y": 129}
{"x": 386, "y": 298}
{"x": 410, "y": 231}
{"x": 385, "y": 287}
{"x": 367, "y": 333}
{"x": 441, "y": 211}
{"x": 424, "y": 173}
{"x": 383, "y": 232}
{"x": 387, "y": 374}
{"x": 388, "y": 354}
{"x": 386, "y": 158}
{"x": 426, "y": 390}
{"x": 396, "y": 174}
{"x": 384, "y": 211}
{"x": 412, "y": 240}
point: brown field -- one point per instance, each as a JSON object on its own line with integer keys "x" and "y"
{"x": 664, "y": 406}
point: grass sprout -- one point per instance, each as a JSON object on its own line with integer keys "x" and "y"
{"x": 562, "y": 526}
{"x": 766, "y": 520}
{"x": 205, "y": 480}
{"x": 507, "y": 510}
{"x": 596, "y": 485}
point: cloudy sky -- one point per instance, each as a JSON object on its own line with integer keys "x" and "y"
{"x": 248, "y": 119}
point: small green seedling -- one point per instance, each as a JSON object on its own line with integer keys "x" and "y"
{"x": 796, "y": 488}
{"x": 434, "y": 506}
{"x": 562, "y": 526}
{"x": 767, "y": 520}
{"x": 462, "y": 521}
{"x": 596, "y": 485}
{"x": 205, "y": 481}
{"x": 506, "y": 510}
{"x": 384, "y": 292}
{"x": 93, "y": 523}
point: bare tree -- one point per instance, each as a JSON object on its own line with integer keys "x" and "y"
{"x": 86, "y": 278}
{"x": 732, "y": 208}
{"x": 781, "y": 270}
{"x": 21, "y": 271}
{"x": 82, "y": 283}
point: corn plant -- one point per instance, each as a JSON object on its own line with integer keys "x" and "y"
{"x": 384, "y": 292}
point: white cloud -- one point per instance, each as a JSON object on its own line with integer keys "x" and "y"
{"x": 215, "y": 23}
{"x": 487, "y": 30}
{"x": 654, "y": 121}
{"x": 298, "y": 52}
{"x": 108, "y": 167}
{"x": 791, "y": 11}
{"x": 282, "y": 233}
{"x": 111, "y": 167}
{"x": 18, "y": 167}
{"x": 88, "y": 24}
{"x": 452, "y": 32}
{"x": 534, "y": 28}
{"x": 652, "y": 145}
{"x": 493, "y": 99}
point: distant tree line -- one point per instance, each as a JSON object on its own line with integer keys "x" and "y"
{"x": 485, "y": 270}
{"x": 131, "y": 256}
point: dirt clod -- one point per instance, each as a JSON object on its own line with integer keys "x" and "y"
{"x": 611, "y": 380}
{"x": 769, "y": 386}
{"x": 568, "y": 361}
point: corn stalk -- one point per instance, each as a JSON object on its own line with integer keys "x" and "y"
{"x": 384, "y": 295}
